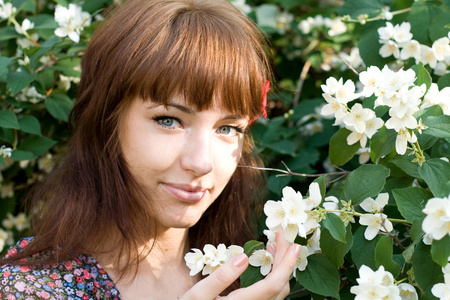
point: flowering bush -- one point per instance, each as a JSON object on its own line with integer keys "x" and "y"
{"x": 359, "y": 118}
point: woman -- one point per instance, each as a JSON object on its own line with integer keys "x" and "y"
{"x": 167, "y": 92}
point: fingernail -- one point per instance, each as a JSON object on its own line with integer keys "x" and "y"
{"x": 239, "y": 260}
{"x": 296, "y": 250}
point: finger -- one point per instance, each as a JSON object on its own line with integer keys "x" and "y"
{"x": 210, "y": 287}
{"x": 281, "y": 247}
{"x": 276, "y": 284}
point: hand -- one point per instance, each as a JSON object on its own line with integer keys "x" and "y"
{"x": 274, "y": 286}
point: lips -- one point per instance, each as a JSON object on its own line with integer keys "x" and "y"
{"x": 185, "y": 192}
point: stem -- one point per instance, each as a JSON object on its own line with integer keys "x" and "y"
{"x": 290, "y": 173}
{"x": 296, "y": 292}
{"x": 357, "y": 214}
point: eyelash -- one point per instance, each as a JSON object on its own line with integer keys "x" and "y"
{"x": 158, "y": 119}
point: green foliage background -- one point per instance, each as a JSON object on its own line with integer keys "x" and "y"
{"x": 294, "y": 136}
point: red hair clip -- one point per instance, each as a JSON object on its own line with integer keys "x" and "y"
{"x": 265, "y": 90}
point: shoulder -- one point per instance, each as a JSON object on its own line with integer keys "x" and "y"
{"x": 79, "y": 278}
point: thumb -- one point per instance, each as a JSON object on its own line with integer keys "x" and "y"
{"x": 219, "y": 280}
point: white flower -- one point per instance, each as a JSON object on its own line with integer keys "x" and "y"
{"x": 6, "y": 10}
{"x": 375, "y": 223}
{"x": 410, "y": 49}
{"x": 314, "y": 198}
{"x": 30, "y": 94}
{"x": 232, "y": 251}
{"x": 276, "y": 216}
{"x": 385, "y": 13}
{"x": 355, "y": 137}
{"x": 71, "y": 21}
{"x": 336, "y": 27}
{"x": 377, "y": 205}
{"x": 302, "y": 260}
{"x": 21, "y": 222}
{"x": 389, "y": 48}
{"x": 7, "y": 190}
{"x": 437, "y": 221}
{"x": 305, "y": 26}
{"x": 8, "y": 223}
{"x": 313, "y": 243}
{"x": 333, "y": 107}
{"x": 5, "y": 151}
{"x": 386, "y": 33}
{"x": 242, "y": 6}
{"x": 440, "y": 69}
{"x": 270, "y": 237}
{"x": 213, "y": 258}
{"x": 370, "y": 79}
{"x": 331, "y": 203}
{"x": 354, "y": 59}
{"x": 402, "y": 32}
{"x": 358, "y": 116}
{"x": 394, "y": 81}
{"x": 442, "y": 290}
{"x": 284, "y": 20}
{"x": 398, "y": 124}
{"x": 403, "y": 137}
{"x": 346, "y": 92}
{"x": 331, "y": 85}
{"x": 407, "y": 291}
{"x": 263, "y": 259}
{"x": 375, "y": 285}
{"x": 441, "y": 48}
{"x": 427, "y": 56}
{"x": 194, "y": 261}
{"x": 372, "y": 126}
{"x": 3, "y": 237}
{"x": 26, "y": 25}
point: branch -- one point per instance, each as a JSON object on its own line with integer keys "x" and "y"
{"x": 288, "y": 172}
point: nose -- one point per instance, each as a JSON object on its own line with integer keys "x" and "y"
{"x": 197, "y": 154}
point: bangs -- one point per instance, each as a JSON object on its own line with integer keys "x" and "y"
{"x": 201, "y": 52}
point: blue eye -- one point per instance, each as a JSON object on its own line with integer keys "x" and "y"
{"x": 167, "y": 122}
{"x": 229, "y": 130}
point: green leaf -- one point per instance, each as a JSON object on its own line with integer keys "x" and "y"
{"x": 59, "y": 106}
{"x": 369, "y": 46}
{"x": 333, "y": 249}
{"x": 382, "y": 143}
{"x": 17, "y": 81}
{"x": 444, "y": 81}
{"x": 283, "y": 147}
{"x": 354, "y": 8}
{"x": 4, "y": 63}
{"x": 276, "y": 184}
{"x": 8, "y": 119}
{"x": 335, "y": 226}
{"x": 320, "y": 276}
{"x": 438, "y": 126}
{"x": 423, "y": 77}
{"x": 8, "y": 33}
{"x": 251, "y": 274}
{"x": 436, "y": 173}
{"x": 366, "y": 181}
{"x": 426, "y": 272}
{"x": 437, "y": 26}
{"x": 416, "y": 232}
{"x": 30, "y": 124}
{"x": 404, "y": 162}
{"x": 440, "y": 250}
{"x": 38, "y": 145}
{"x": 420, "y": 17}
{"x": 22, "y": 155}
{"x": 411, "y": 201}
{"x": 340, "y": 152}
{"x": 366, "y": 257}
{"x": 384, "y": 255}
{"x": 252, "y": 246}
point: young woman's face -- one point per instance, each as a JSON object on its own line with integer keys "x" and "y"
{"x": 183, "y": 158}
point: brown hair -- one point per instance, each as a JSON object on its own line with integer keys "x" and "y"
{"x": 152, "y": 49}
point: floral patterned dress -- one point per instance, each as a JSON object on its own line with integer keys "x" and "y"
{"x": 79, "y": 279}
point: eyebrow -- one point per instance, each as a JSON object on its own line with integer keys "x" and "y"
{"x": 191, "y": 111}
